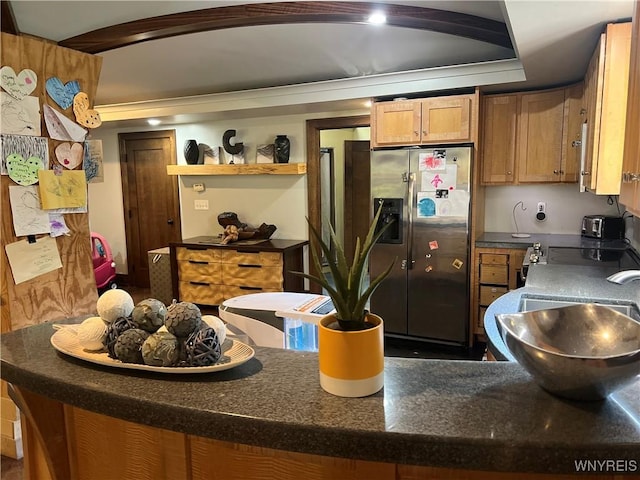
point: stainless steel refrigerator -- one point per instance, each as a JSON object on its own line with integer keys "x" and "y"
{"x": 425, "y": 194}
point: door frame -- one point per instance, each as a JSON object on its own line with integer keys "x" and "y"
{"x": 313, "y": 128}
{"x": 124, "y": 174}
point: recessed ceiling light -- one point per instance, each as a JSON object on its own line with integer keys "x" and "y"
{"x": 377, "y": 18}
{"x": 153, "y": 122}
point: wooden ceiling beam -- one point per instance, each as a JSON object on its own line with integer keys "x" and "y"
{"x": 452, "y": 23}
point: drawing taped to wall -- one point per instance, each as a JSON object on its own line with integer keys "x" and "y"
{"x": 28, "y": 217}
{"x": 92, "y": 161}
{"x": 19, "y": 117}
{"x": 24, "y": 146}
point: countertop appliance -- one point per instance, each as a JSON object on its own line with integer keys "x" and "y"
{"x": 425, "y": 194}
{"x": 603, "y": 227}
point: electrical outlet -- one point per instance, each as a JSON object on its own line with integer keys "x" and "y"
{"x": 201, "y": 204}
{"x": 540, "y": 212}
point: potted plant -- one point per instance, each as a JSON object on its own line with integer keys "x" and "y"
{"x": 351, "y": 340}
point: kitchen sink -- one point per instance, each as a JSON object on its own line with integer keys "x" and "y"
{"x": 543, "y": 303}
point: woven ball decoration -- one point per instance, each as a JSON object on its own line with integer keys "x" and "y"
{"x": 128, "y": 347}
{"x": 116, "y": 329}
{"x": 183, "y": 318}
{"x": 202, "y": 348}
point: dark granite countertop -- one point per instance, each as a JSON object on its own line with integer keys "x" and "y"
{"x": 452, "y": 414}
{"x": 505, "y": 240}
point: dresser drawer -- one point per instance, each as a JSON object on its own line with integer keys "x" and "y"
{"x": 493, "y": 259}
{"x": 489, "y": 294}
{"x": 230, "y": 291}
{"x": 498, "y": 274}
{"x": 210, "y": 255}
{"x": 201, "y": 293}
{"x": 197, "y": 271}
{"x": 271, "y": 259}
{"x": 252, "y": 275}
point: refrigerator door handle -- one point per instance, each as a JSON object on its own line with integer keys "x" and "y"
{"x": 412, "y": 181}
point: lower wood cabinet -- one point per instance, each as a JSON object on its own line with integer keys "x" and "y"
{"x": 498, "y": 272}
{"x": 206, "y": 273}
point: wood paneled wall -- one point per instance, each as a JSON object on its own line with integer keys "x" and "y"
{"x": 71, "y": 290}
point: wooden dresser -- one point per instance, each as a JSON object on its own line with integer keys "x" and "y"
{"x": 206, "y": 272}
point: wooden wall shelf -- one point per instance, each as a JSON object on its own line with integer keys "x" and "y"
{"x": 240, "y": 169}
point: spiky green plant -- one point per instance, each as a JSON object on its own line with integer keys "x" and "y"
{"x": 346, "y": 291}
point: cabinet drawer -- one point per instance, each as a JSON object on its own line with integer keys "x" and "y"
{"x": 230, "y": 291}
{"x": 481, "y": 313}
{"x": 493, "y": 259}
{"x": 211, "y": 255}
{"x": 498, "y": 274}
{"x": 197, "y": 271}
{"x": 271, "y": 259}
{"x": 205, "y": 294}
{"x": 252, "y": 275}
{"x": 489, "y": 294}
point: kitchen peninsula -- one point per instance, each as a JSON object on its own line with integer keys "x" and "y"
{"x": 269, "y": 418}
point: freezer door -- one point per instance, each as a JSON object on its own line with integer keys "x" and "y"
{"x": 389, "y": 173}
{"x": 438, "y": 280}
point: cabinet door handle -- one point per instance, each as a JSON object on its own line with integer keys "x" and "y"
{"x": 199, "y": 262}
{"x": 244, "y": 265}
{"x": 250, "y": 288}
{"x": 556, "y": 172}
{"x": 199, "y": 283}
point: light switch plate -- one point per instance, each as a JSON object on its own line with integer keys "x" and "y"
{"x": 201, "y": 204}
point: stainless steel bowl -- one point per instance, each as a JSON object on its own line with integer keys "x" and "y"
{"x": 582, "y": 352}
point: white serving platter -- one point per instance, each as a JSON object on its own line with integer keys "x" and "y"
{"x": 65, "y": 340}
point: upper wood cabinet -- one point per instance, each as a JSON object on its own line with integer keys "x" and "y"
{"x": 422, "y": 121}
{"x": 532, "y": 137}
{"x": 606, "y": 87}
{"x": 499, "y": 138}
{"x": 630, "y": 186}
{"x": 539, "y": 138}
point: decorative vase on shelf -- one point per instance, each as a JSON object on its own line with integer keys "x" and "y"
{"x": 282, "y": 145}
{"x": 191, "y": 152}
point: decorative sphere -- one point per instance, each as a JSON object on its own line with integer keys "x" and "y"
{"x": 114, "y": 330}
{"x": 218, "y": 325}
{"x": 113, "y": 304}
{"x": 128, "y": 347}
{"x": 183, "y": 318}
{"x": 149, "y": 314}
{"x": 202, "y": 348}
{"x": 91, "y": 333}
{"x": 161, "y": 349}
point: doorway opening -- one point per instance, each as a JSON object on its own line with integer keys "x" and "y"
{"x": 345, "y": 206}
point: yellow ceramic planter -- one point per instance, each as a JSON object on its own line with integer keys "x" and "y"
{"x": 351, "y": 363}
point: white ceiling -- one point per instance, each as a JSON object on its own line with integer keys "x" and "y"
{"x": 320, "y": 66}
